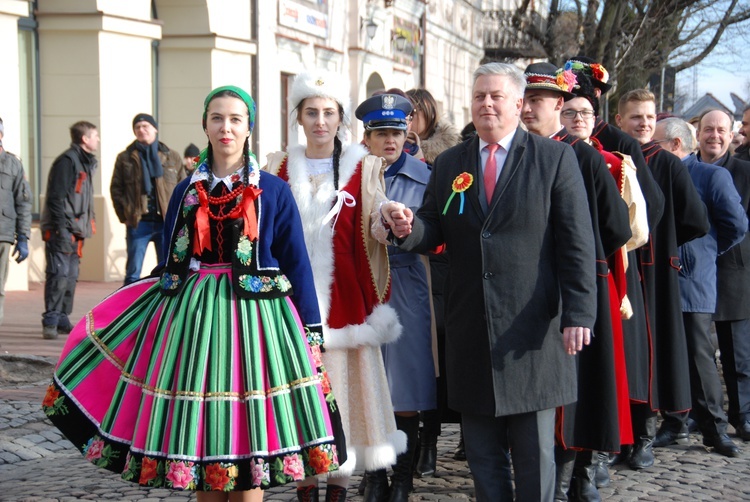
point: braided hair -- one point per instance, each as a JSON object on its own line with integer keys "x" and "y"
{"x": 336, "y": 158}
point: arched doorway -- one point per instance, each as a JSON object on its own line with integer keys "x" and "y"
{"x": 374, "y": 83}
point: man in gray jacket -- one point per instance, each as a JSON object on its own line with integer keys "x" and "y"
{"x": 15, "y": 214}
{"x": 145, "y": 175}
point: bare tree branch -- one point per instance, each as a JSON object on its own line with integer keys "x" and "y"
{"x": 714, "y": 41}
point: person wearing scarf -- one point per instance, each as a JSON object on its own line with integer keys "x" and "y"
{"x": 144, "y": 177}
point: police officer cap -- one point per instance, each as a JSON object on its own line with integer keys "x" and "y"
{"x": 386, "y": 111}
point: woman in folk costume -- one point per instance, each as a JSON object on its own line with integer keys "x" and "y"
{"x": 339, "y": 191}
{"x": 209, "y": 377}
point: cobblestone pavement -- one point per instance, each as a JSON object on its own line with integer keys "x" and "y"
{"x": 38, "y": 464}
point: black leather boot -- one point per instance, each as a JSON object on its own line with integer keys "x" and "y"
{"x": 601, "y": 477}
{"x": 335, "y": 493}
{"x": 401, "y": 481}
{"x": 583, "y": 485}
{"x": 564, "y": 463}
{"x": 622, "y": 456}
{"x": 643, "y": 453}
{"x": 376, "y": 486}
{"x": 307, "y": 493}
{"x": 428, "y": 436}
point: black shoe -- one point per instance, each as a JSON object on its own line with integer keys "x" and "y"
{"x": 722, "y": 445}
{"x": 582, "y": 486}
{"x": 65, "y": 328}
{"x": 376, "y": 489}
{"x": 622, "y": 457}
{"x": 743, "y": 431}
{"x": 335, "y": 493}
{"x": 49, "y": 332}
{"x": 307, "y": 493}
{"x": 601, "y": 474}
{"x": 643, "y": 454}
{"x": 427, "y": 461}
{"x": 666, "y": 437}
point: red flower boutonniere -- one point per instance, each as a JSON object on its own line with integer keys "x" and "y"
{"x": 462, "y": 182}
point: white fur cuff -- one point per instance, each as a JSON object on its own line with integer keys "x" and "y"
{"x": 380, "y": 327}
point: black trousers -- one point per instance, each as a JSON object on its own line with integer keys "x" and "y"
{"x": 734, "y": 343}
{"x": 705, "y": 382}
{"x": 61, "y": 276}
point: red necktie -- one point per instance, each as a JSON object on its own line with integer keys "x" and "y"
{"x": 490, "y": 172}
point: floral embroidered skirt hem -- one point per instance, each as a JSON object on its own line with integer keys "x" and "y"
{"x": 200, "y": 391}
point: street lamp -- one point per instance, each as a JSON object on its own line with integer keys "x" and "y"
{"x": 370, "y": 27}
{"x": 400, "y": 42}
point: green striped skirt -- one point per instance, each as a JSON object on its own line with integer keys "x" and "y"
{"x": 200, "y": 391}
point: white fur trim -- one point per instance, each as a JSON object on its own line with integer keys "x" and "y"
{"x": 323, "y": 84}
{"x": 383, "y": 456}
{"x": 371, "y": 458}
{"x": 347, "y": 468}
{"x": 380, "y": 327}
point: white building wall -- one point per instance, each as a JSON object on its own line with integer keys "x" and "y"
{"x": 95, "y": 65}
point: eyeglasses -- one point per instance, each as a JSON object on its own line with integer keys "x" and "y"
{"x": 571, "y": 114}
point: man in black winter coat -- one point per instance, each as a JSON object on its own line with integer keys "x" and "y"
{"x": 67, "y": 220}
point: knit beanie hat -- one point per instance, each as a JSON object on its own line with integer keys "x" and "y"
{"x": 144, "y": 117}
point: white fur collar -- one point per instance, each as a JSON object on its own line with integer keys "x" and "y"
{"x": 296, "y": 164}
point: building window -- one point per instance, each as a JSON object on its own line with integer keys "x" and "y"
{"x": 28, "y": 62}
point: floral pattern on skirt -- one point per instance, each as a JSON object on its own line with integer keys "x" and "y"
{"x": 200, "y": 391}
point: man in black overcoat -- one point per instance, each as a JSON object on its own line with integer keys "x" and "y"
{"x": 732, "y": 317}
{"x": 591, "y": 423}
{"x": 521, "y": 292}
{"x": 637, "y": 329}
{"x": 685, "y": 218}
